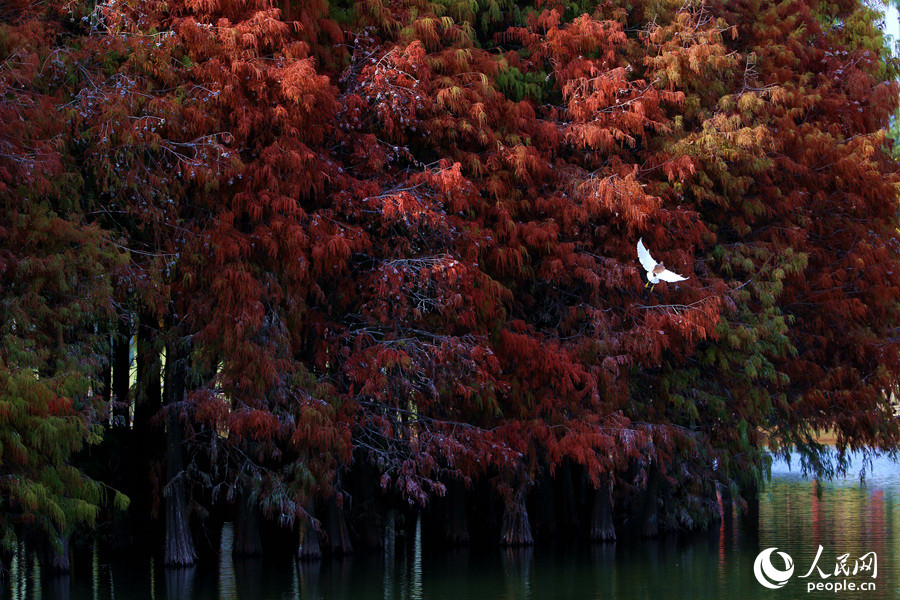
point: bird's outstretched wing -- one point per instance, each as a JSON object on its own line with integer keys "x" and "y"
{"x": 667, "y": 275}
{"x": 644, "y": 256}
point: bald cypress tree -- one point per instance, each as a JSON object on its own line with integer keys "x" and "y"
{"x": 399, "y": 238}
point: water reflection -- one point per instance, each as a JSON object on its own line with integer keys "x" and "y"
{"x": 797, "y": 515}
{"x": 152, "y": 579}
{"x": 248, "y": 573}
{"x": 36, "y": 591}
{"x": 179, "y": 583}
{"x": 416, "y": 578}
{"x": 604, "y": 580}
{"x": 95, "y": 572}
{"x": 227, "y": 578}
{"x": 517, "y": 571}
{"x": 844, "y": 516}
{"x": 58, "y": 587}
{"x": 306, "y": 579}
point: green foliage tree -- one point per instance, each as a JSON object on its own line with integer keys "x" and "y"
{"x": 54, "y": 292}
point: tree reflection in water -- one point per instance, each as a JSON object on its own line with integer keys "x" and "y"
{"x": 180, "y": 582}
{"x": 227, "y": 581}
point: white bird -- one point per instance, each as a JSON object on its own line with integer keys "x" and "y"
{"x": 656, "y": 272}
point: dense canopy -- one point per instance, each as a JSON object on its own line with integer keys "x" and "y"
{"x": 310, "y": 264}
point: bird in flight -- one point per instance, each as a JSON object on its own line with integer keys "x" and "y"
{"x": 656, "y": 272}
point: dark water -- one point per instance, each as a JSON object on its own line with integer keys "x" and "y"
{"x": 797, "y": 516}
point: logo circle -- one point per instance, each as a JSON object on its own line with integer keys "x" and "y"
{"x": 766, "y": 573}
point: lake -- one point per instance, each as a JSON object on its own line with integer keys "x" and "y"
{"x": 856, "y": 525}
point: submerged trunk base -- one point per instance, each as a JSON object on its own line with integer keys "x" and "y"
{"x": 309, "y": 547}
{"x": 515, "y": 529}
{"x": 603, "y": 528}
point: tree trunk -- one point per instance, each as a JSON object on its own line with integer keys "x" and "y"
{"x": 515, "y": 529}
{"x": 750, "y": 494}
{"x": 369, "y": 521}
{"x": 603, "y": 528}
{"x": 545, "y": 519}
{"x": 570, "y": 522}
{"x": 247, "y": 541}
{"x": 146, "y": 442}
{"x": 179, "y": 543}
{"x": 338, "y": 534}
{"x": 117, "y": 437}
{"x": 148, "y": 395}
{"x": 710, "y": 501}
{"x": 457, "y": 523}
{"x": 106, "y": 376}
{"x": 59, "y": 555}
{"x": 372, "y": 527}
{"x": 309, "y": 548}
{"x": 650, "y": 518}
{"x": 726, "y": 504}
{"x": 121, "y": 374}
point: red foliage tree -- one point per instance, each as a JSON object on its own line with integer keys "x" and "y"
{"x": 395, "y": 242}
